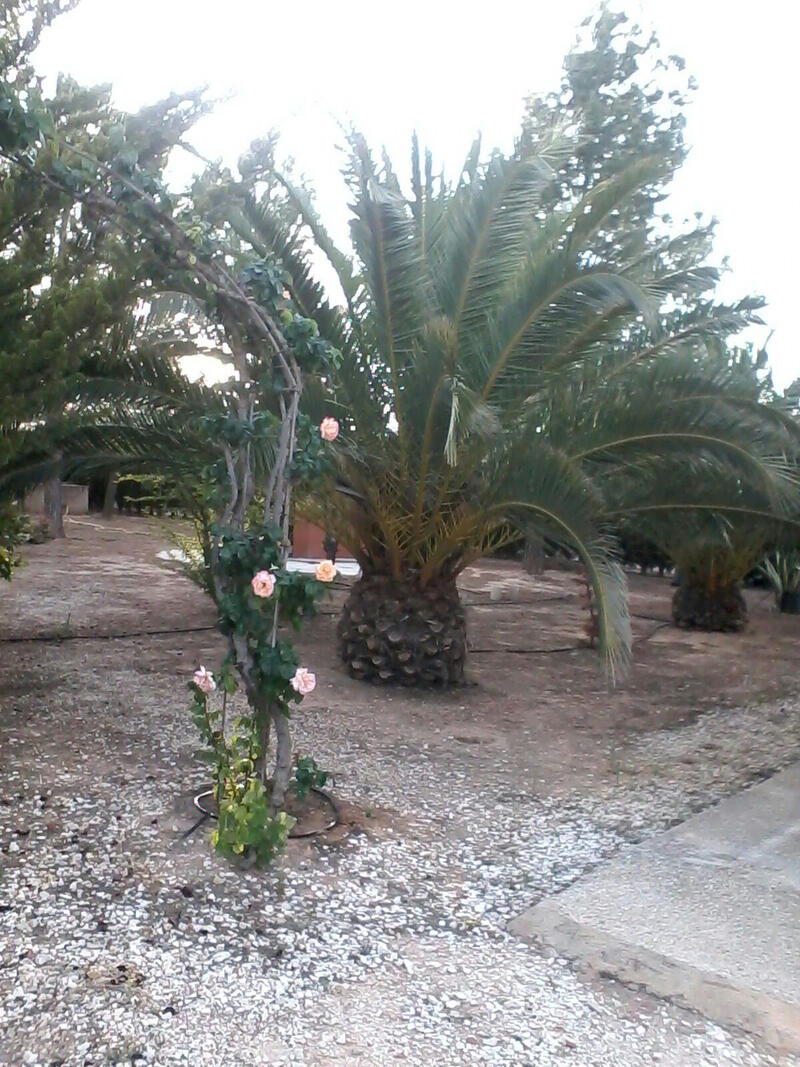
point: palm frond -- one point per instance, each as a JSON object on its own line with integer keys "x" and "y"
{"x": 533, "y": 484}
{"x": 382, "y": 229}
{"x": 484, "y": 233}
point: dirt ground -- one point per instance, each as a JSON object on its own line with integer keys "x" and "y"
{"x": 98, "y": 638}
{"x": 536, "y": 693}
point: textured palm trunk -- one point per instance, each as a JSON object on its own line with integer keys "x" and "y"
{"x": 397, "y": 632}
{"x": 722, "y": 608}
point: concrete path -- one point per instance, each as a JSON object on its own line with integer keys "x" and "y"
{"x": 707, "y": 914}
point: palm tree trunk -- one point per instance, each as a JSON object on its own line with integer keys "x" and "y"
{"x": 396, "y": 631}
{"x": 722, "y": 608}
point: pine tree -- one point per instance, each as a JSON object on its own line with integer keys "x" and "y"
{"x": 66, "y": 279}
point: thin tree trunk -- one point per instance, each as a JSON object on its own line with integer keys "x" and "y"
{"x": 330, "y": 546}
{"x": 533, "y": 556}
{"x": 53, "y": 495}
{"x": 110, "y": 496}
{"x": 53, "y": 505}
{"x": 283, "y": 759}
{"x": 261, "y": 769}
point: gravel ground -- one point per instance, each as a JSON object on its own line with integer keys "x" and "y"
{"x": 121, "y": 942}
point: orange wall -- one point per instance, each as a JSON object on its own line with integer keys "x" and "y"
{"x": 307, "y": 542}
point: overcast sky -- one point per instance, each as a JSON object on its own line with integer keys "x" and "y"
{"x": 450, "y": 69}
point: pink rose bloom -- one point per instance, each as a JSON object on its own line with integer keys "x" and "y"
{"x": 304, "y": 681}
{"x": 325, "y": 571}
{"x": 204, "y": 680}
{"x": 329, "y": 429}
{"x": 263, "y": 583}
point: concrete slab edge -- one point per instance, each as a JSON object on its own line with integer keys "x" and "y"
{"x": 769, "y": 1018}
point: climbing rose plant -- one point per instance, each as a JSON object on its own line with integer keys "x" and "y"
{"x": 250, "y": 822}
{"x": 257, "y": 597}
{"x": 245, "y": 572}
{"x": 248, "y": 825}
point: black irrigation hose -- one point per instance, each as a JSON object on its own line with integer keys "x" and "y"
{"x": 513, "y": 603}
{"x": 58, "y": 638}
{"x": 567, "y": 648}
{"x": 208, "y": 813}
{"x": 107, "y": 637}
{"x": 526, "y": 651}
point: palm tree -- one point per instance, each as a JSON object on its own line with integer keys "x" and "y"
{"x": 713, "y": 521}
{"x": 713, "y": 563}
{"x": 713, "y": 552}
{"x": 498, "y": 376}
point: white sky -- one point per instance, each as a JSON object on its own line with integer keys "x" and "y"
{"x": 452, "y": 67}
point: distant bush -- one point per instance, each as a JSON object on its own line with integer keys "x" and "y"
{"x": 147, "y": 495}
{"x": 14, "y": 531}
{"x": 638, "y": 551}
